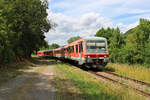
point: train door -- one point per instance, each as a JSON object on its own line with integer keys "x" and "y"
{"x": 80, "y": 52}
{"x": 63, "y": 53}
{"x": 77, "y": 50}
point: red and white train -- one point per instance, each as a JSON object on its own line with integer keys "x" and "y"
{"x": 91, "y": 51}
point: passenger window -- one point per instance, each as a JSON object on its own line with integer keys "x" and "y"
{"x": 71, "y": 49}
{"x": 76, "y": 48}
{"x": 80, "y": 47}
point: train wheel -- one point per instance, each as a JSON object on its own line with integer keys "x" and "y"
{"x": 85, "y": 67}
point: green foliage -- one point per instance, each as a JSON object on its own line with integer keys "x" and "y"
{"x": 133, "y": 47}
{"x": 107, "y": 33}
{"x": 52, "y": 46}
{"x": 72, "y": 39}
{"x": 6, "y": 51}
{"x": 147, "y": 54}
{"x": 22, "y": 27}
{"x": 115, "y": 41}
{"x": 138, "y": 41}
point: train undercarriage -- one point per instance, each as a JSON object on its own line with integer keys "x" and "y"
{"x": 96, "y": 63}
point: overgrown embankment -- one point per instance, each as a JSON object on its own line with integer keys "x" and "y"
{"x": 93, "y": 89}
{"x": 135, "y": 71}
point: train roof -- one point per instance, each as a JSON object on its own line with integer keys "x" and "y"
{"x": 71, "y": 44}
{"x": 86, "y": 38}
{"x": 94, "y": 38}
{"x": 46, "y": 50}
{"x": 58, "y": 48}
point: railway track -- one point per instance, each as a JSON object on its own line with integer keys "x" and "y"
{"x": 132, "y": 79}
{"x": 139, "y": 86}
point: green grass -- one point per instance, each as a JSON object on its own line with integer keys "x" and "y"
{"x": 92, "y": 89}
{"x": 134, "y": 71}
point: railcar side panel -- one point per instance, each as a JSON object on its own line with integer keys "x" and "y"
{"x": 89, "y": 51}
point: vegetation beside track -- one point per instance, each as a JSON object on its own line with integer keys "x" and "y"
{"x": 13, "y": 70}
{"x": 132, "y": 47}
{"x": 92, "y": 89}
{"x": 66, "y": 90}
{"x": 135, "y": 71}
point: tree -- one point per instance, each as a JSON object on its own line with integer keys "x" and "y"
{"x": 116, "y": 43}
{"x": 131, "y": 47}
{"x": 30, "y": 23}
{"x": 107, "y": 33}
{"x": 54, "y": 46}
{"x": 115, "y": 40}
{"x": 147, "y": 54}
{"x": 22, "y": 27}
{"x": 72, "y": 39}
{"x": 6, "y": 51}
{"x": 138, "y": 40}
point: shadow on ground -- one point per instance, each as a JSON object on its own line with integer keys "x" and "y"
{"x": 35, "y": 86}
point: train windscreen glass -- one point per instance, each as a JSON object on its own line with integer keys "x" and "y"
{"x": 96, "y": 46}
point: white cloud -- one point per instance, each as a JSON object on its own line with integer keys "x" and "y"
{"x": 73, "y": 17}
{"x": 125, "y": 28}
{"x": 111, "y": 8}
{"x": 94, "y": 20}
{"x": 67, "y": 27}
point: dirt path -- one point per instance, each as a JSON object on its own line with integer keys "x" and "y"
{"x": 35, "y": 84}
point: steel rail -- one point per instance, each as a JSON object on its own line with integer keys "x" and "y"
{"x": 128, "y": 78}
{"x": 121, "y": 84}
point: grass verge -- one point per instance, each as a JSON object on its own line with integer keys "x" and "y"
{"x": 92, "y": 89}
{"x": 13, "y": 70}
{"x": 134, "y": 71}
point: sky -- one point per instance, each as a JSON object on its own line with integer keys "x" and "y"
{"x": 85, "y": 17}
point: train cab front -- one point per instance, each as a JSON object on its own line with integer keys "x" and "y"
{"x": 97, "y": 54}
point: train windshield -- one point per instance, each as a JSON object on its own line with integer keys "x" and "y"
{"x": 96, "y": 46}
